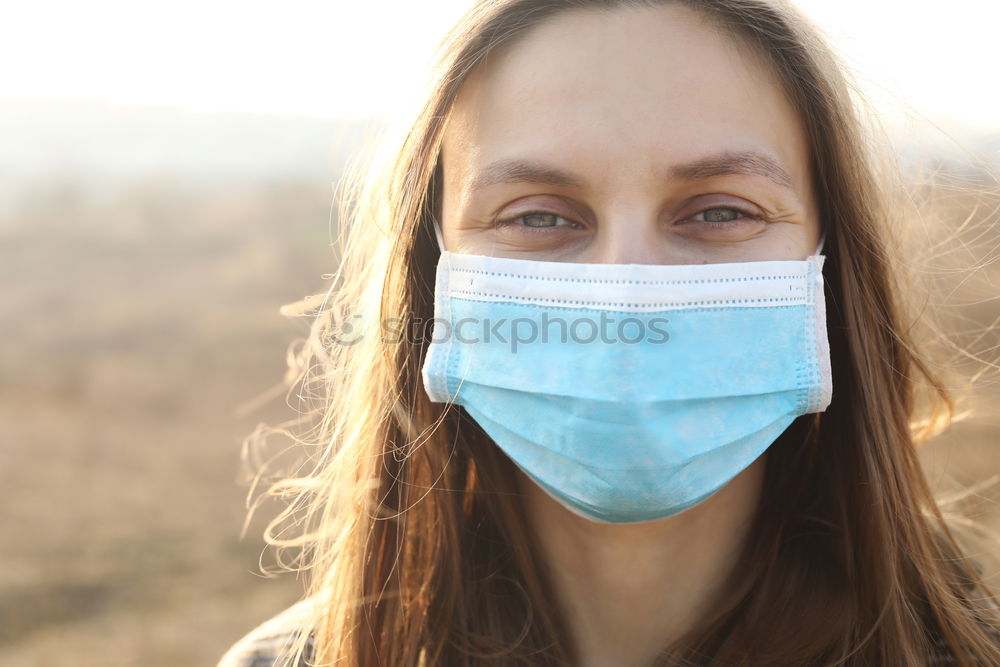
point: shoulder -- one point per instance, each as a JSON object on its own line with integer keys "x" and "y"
{"x": 272, "y": 640}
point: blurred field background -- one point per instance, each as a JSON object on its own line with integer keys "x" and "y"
{"x": 140, "y": 282}
{"x": 144, "y": 254}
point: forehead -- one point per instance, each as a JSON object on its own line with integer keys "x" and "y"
{"x": 621, "y": 94}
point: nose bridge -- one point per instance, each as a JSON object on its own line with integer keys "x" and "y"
{"x": 629, "y": 234}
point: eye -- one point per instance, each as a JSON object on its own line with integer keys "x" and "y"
{"x": 541, "y": 220}
{"x": 724, "y": 215}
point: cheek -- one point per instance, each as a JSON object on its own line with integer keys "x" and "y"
{"x": 813, "y": 227}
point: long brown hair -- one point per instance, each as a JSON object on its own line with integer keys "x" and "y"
{"x": 412, "y": 528}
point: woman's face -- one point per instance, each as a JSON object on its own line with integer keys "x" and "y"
{"x": 636, "y": 136}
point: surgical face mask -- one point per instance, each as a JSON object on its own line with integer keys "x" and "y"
{"x": 629, "y": 392}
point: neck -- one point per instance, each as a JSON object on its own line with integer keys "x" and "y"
{"x": 630, "y": 590}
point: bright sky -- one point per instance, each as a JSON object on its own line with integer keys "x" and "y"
{"x": 345, "y": 57}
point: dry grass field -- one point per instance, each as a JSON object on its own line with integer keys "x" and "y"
{"x": 135, "y": 323}
{"x": 134, "y": 327}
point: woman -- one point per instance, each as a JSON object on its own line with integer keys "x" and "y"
{"x": 697, "y": 497}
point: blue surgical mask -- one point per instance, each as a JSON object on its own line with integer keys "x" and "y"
{"x": 629, "y": 392}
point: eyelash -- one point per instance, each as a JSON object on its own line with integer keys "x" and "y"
{"x": 511, "y": 220}
{"x": 748, "y": 215}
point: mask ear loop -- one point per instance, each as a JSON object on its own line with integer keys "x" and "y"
{"x": 822, "y": 240}
{"x": 437, "y": 233}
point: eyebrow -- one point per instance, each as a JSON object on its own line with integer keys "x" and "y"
{"x": 750, "y": 163}
{"x": 727, "y": 163}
